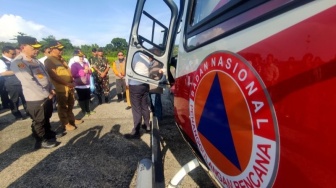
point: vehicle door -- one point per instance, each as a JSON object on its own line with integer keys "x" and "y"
{"x": 152, "y": 35}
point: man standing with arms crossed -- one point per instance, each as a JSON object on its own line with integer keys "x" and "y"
{"x": 37, "y": 90}
{"x": 101, "y": 67}
{"x": 61, "y": 77}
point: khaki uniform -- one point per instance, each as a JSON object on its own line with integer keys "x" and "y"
{"x": 64, "y": 95}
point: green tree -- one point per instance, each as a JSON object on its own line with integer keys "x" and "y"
{"x": 119, "y": 44}
{"x": 87, "y": 49}
{"x": 66, "y": 43}
{"x": 19, "y": 34}
{"x": 49, "y": 38}
{"x": 45, "y": 41}
{"x": 2, "y": 44}
{"x": 109, "y": 48}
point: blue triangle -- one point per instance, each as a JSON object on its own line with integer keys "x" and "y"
{"x": 214, "y": 124}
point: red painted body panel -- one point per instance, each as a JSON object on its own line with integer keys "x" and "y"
{"x": 181, "y": 103}
{"x": 304, "y": 99}
{"x": 303, "y": 95}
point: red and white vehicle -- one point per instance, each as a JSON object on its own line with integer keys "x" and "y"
{"x": 255, "y": 83}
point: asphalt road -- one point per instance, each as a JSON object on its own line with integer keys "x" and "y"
{"x": 94, "y": 155}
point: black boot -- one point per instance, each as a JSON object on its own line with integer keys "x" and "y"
{"x": 119, "y": 97}
{"x": 18, "y": 115}
{"x": 47, "y": 144}
{"x": 106, "y": 99}
{"x": 44, "y": 143}
{"x": 38, "y": 143}
{"x": 100, "y": 99}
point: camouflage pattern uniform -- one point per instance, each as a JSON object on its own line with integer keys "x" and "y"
{"x": 102, "y": 84}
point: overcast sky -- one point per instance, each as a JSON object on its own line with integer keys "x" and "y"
{"x": 82, "y": 22}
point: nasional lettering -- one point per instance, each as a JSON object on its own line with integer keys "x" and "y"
{"x": 260, "y": 121}
{"x": 259, "y": 169}
{"x": 241, "y": 74}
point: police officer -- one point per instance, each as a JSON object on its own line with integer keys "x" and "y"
{"x": 37, "y": 89}
{"x": 11, "y": 83}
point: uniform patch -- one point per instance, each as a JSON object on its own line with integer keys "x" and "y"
{"x": 234, "y": 122}
{"x": 21, "y": 65}
{"x": 39, "y": 74}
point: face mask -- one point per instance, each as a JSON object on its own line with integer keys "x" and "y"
{"x": 122, "y": 59}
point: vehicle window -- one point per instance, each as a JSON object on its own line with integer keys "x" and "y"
{"x": 152, "y": 32}
{"x": 219, "y": 18}
{"x": 145, "y": 65}
{"x": 204, "y": 8}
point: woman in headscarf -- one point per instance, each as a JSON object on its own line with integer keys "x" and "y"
{"x": 81, "y": 72}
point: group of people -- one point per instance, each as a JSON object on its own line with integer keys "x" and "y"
{"x": 40, "y": 83}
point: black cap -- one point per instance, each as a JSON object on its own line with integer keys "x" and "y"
{"x": 28, "y": 40}
{"x": 55, "y": 44}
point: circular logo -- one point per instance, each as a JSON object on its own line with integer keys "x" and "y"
{"x": 234, "y": 122}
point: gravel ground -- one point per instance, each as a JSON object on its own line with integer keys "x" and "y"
{"x": 94, "y": 155}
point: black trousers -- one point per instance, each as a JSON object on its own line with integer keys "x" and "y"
{"x": 83, "y": 94}
{"x": 139, "y": 101}
{"x": 14, "y": 93}
{"x": 4, "y": 94}
{"x": 40, "y": 112}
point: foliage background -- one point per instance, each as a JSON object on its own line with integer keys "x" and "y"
{"x": 110, "y": 50}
